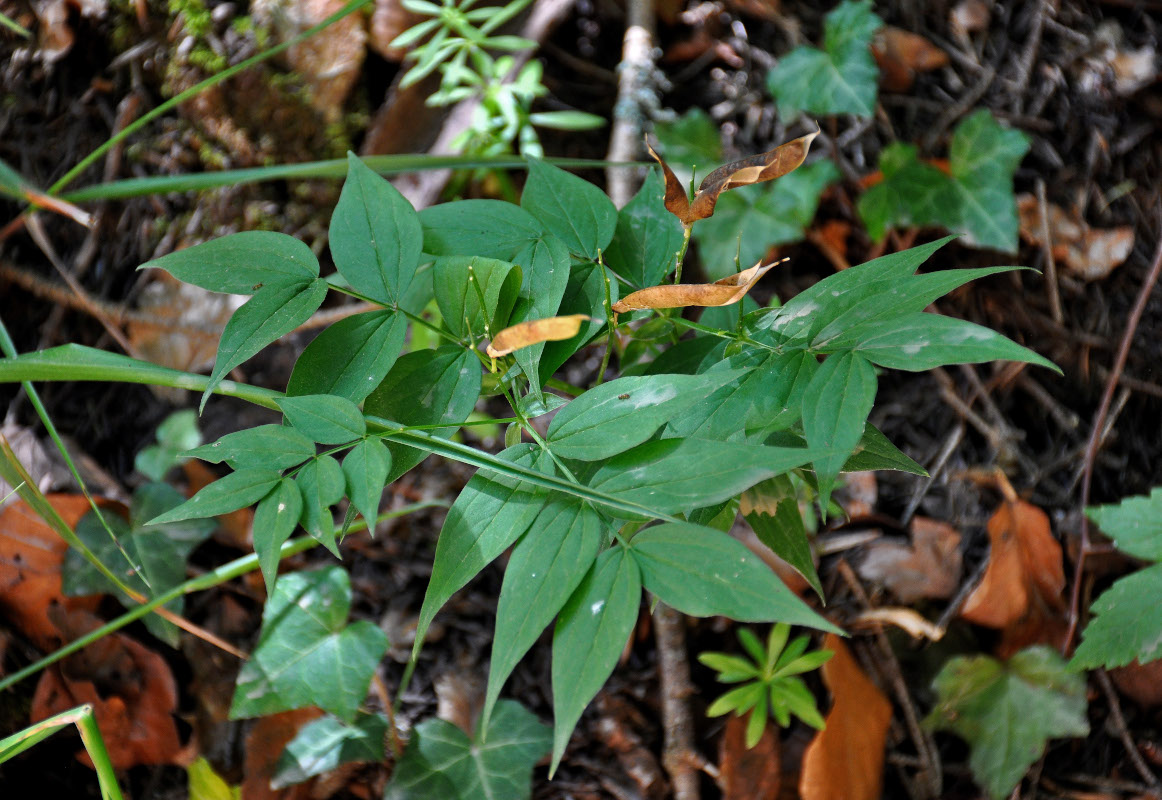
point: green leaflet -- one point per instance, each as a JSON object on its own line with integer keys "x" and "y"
{"x": 674, "y": 475}
{"x": 703, "y": 572}
{"x": 573, "y": 209}
{"x": 231, "y": 492}
{"x": 488, "y": 228}
{"x": 275, "y": 520}
{"x": 442, "y": 763}
{"x": 461, "y": 281}
{"x": 428, "y": 387}
{"x": 647, "y": 238}
{"x": 584, "y": 294}
{"x": 1007, "y": 712}
{"x": 365, "y": 469}
{"x": 326, "y": 419}
{"x": 241, "y": 263}
{"x": 326, "y": 743}
{"x": 547, "y": 564}
{"x": 611, "y": 418}
{"x": 307, "y": 654}
{"x": 835, "y": 408}
{"x": 351, "y": 357}
{"x": 375, "y": 235}
{"x": 490, "y": 514}
{"x": 591, "y": 633}
{"x": 270, "y": 446}
{"x": 840, "y": 78}
{"x": 782, "y": 531}
{"x": 321, "y": 483}
{"x": 545, "y": 274}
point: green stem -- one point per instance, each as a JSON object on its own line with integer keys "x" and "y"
{"x": 213, "y": 80}
{"x": 608, "y": 324}
{"x": 681, "y": 255}
{"x": 562, "y": 386}
{"x": 95, "y": 747}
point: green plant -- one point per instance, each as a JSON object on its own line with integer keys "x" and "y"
{"x": 619, "y": 493}
{"x": 82, "y": 717}
{"x": 771, "y": 681}
{"x": 458, "y": 44}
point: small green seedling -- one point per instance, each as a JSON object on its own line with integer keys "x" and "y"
{"x": 771, "y": 681}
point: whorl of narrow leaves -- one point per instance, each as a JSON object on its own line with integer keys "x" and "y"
{"x": 724, "y": 292}
{"x": 745, "y": 172}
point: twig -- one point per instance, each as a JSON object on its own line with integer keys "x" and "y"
{"x": 1050, "y": 262}
{"x": 1028, "y": 56}
{"x": 954, "y": 112}
{"x": 950, "y": 445}
{"x": 1119, "y": 722}
{"x": 1095, "y": 436}
{"x": 633, "y": 86}
{"x": 674, "y": 676}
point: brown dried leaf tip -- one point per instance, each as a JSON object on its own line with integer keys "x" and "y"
{"x": 535, "y": 331}
{"x": 729, "y": 290}
{"x": 755, "y": 169}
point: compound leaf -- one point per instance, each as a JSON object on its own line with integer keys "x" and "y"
{"x": 459, "y": 300}
{"x": 365, "y": 469}
{"x": 268, "y": 446}
{"x": 351, "y": 357}
{"x": 325, "y": 418}
{"x": 572, "y": 208}
{"x": 231, "y": 492}
{"x": 321, "y": 483}
{"x": 488, "y": 228}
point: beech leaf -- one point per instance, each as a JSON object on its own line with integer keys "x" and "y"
{"x": 535, "y": 331}
{"x": 723, "y": 292}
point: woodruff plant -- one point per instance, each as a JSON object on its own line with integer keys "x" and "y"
{"x": 633, "y": 485}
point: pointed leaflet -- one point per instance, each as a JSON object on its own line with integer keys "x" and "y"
{"x": 988, "y": 704}
{"x": 326, "y": 744}
{"x": 375, "y": 235}
{"x": 351, "y": 357}
{"x": 268, "y": 446}
{"x": 442, "y": 763}
{"x": 275, "y": 310}
{"x": 875, "y": 451}
{"x": 703, "y": 572}
{"x": 427, "y": 387}
{"x": 722, "y": 292}
{"x": 365, "y": 469}
{"x": 547, "y": 564}
{"x": 647, "y": 239}
{"x": 840, "y": 78}
{"x": 545, "y": 276}
{"x": 835, "y": 408}
{"x": 488, "y": 228}
{"x": 275, "y": 520}
{"x": 591, "y": 633}
{"x": 573, "y": 209}
{"x": 675, "y": 475}
{"x": 771, "y": 508}
{"x": 307, "y": 654}
{"x": 241, "y": 263}
{"x": 490, "y": 514}
{"x": 624, "y": 412}
{"x": 325, "y": 418}
{"x": 584, "y": 294}
{"x": 229, "y": 493}
{"x": 459, "y": 300}
{"x": 321, "y": 483}
{"x": 748, "y": 222}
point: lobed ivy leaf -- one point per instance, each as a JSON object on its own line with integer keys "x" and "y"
{"x": 571, "y": 208}
{"x": 840, "y": 78}
{"x": 989, "y": 705}
{"x": 442, "y": 763}
{"x": 327, "y": 743}
{"x": 351, "y": 357}
{"x": 691, "y": 144}
{"x": 307, "y": 654}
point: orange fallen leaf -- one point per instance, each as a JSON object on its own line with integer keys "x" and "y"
{"x": 1142, "y": 683}
{"x": 900, "y": 55}
{"x": 845, "y": 760}
{"x": 755, "y": 169}
{"x": 264, "y": 745}
{"x": 535, "y": 331}
{"x": 724, "y": 292}
{"x": 1088, "y": 253}
{"x": 748, "y": 774}
{"x": 31, "y": 554}
{"x": 927, "y": 568}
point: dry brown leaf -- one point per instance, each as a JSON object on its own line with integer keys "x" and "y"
{"x": 970, "y": 16}
{"x": 859, "y": 494}
{"x": 525, "y": 334}
{"x": 1142, "y": 683}
{"x": 1088, "y": 253}
{"x": 929, "y": 568}
{"x": 31, "y": 554}
{"x": 389, "y": 20}
{"x": 845, "y": 760}
{"x": 755, "y": 169}
{"x": 729, "y": 290}
{"x": 763, "y": 9}
{"x": 132, "y": 692}
{"x": 905, "y": 619}
{"x": 163, "y": 335}
{"x": 1020, "y": 593}
{"x": 901, "y": 55}
{"x": 264, "y": 746}
{"x": 748, "y": 774}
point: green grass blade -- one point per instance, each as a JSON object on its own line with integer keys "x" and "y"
{"x": 14, "y": 26}
{"x": 82, "y": 717}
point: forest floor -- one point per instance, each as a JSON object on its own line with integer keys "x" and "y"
{"x": 1079, "y": 79}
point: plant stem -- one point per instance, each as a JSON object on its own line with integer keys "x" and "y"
{"x": 609, "y": 324}
{"x": 681, "y": 255}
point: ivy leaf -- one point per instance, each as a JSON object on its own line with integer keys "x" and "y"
{"x": 988, "y": 704}
{"x": 351, "y": 357}
{"x": 572, "y": 208}
{"x": 591, "y": 633}
{"x": 375, "y": 235}
{"x": 326, "y": 743}
{"x": 267, "y": 446}
{"x": 241, "y": 263}
{"x": 307, "y": 654}
{"x": 840, "y": 78}
{"x": 749, "y": 220}
{"x": 910, "y": 193}
{"x": 442, "y": 763}
{"x": 648, "y": 237}
{"x": 325, "y": 418}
